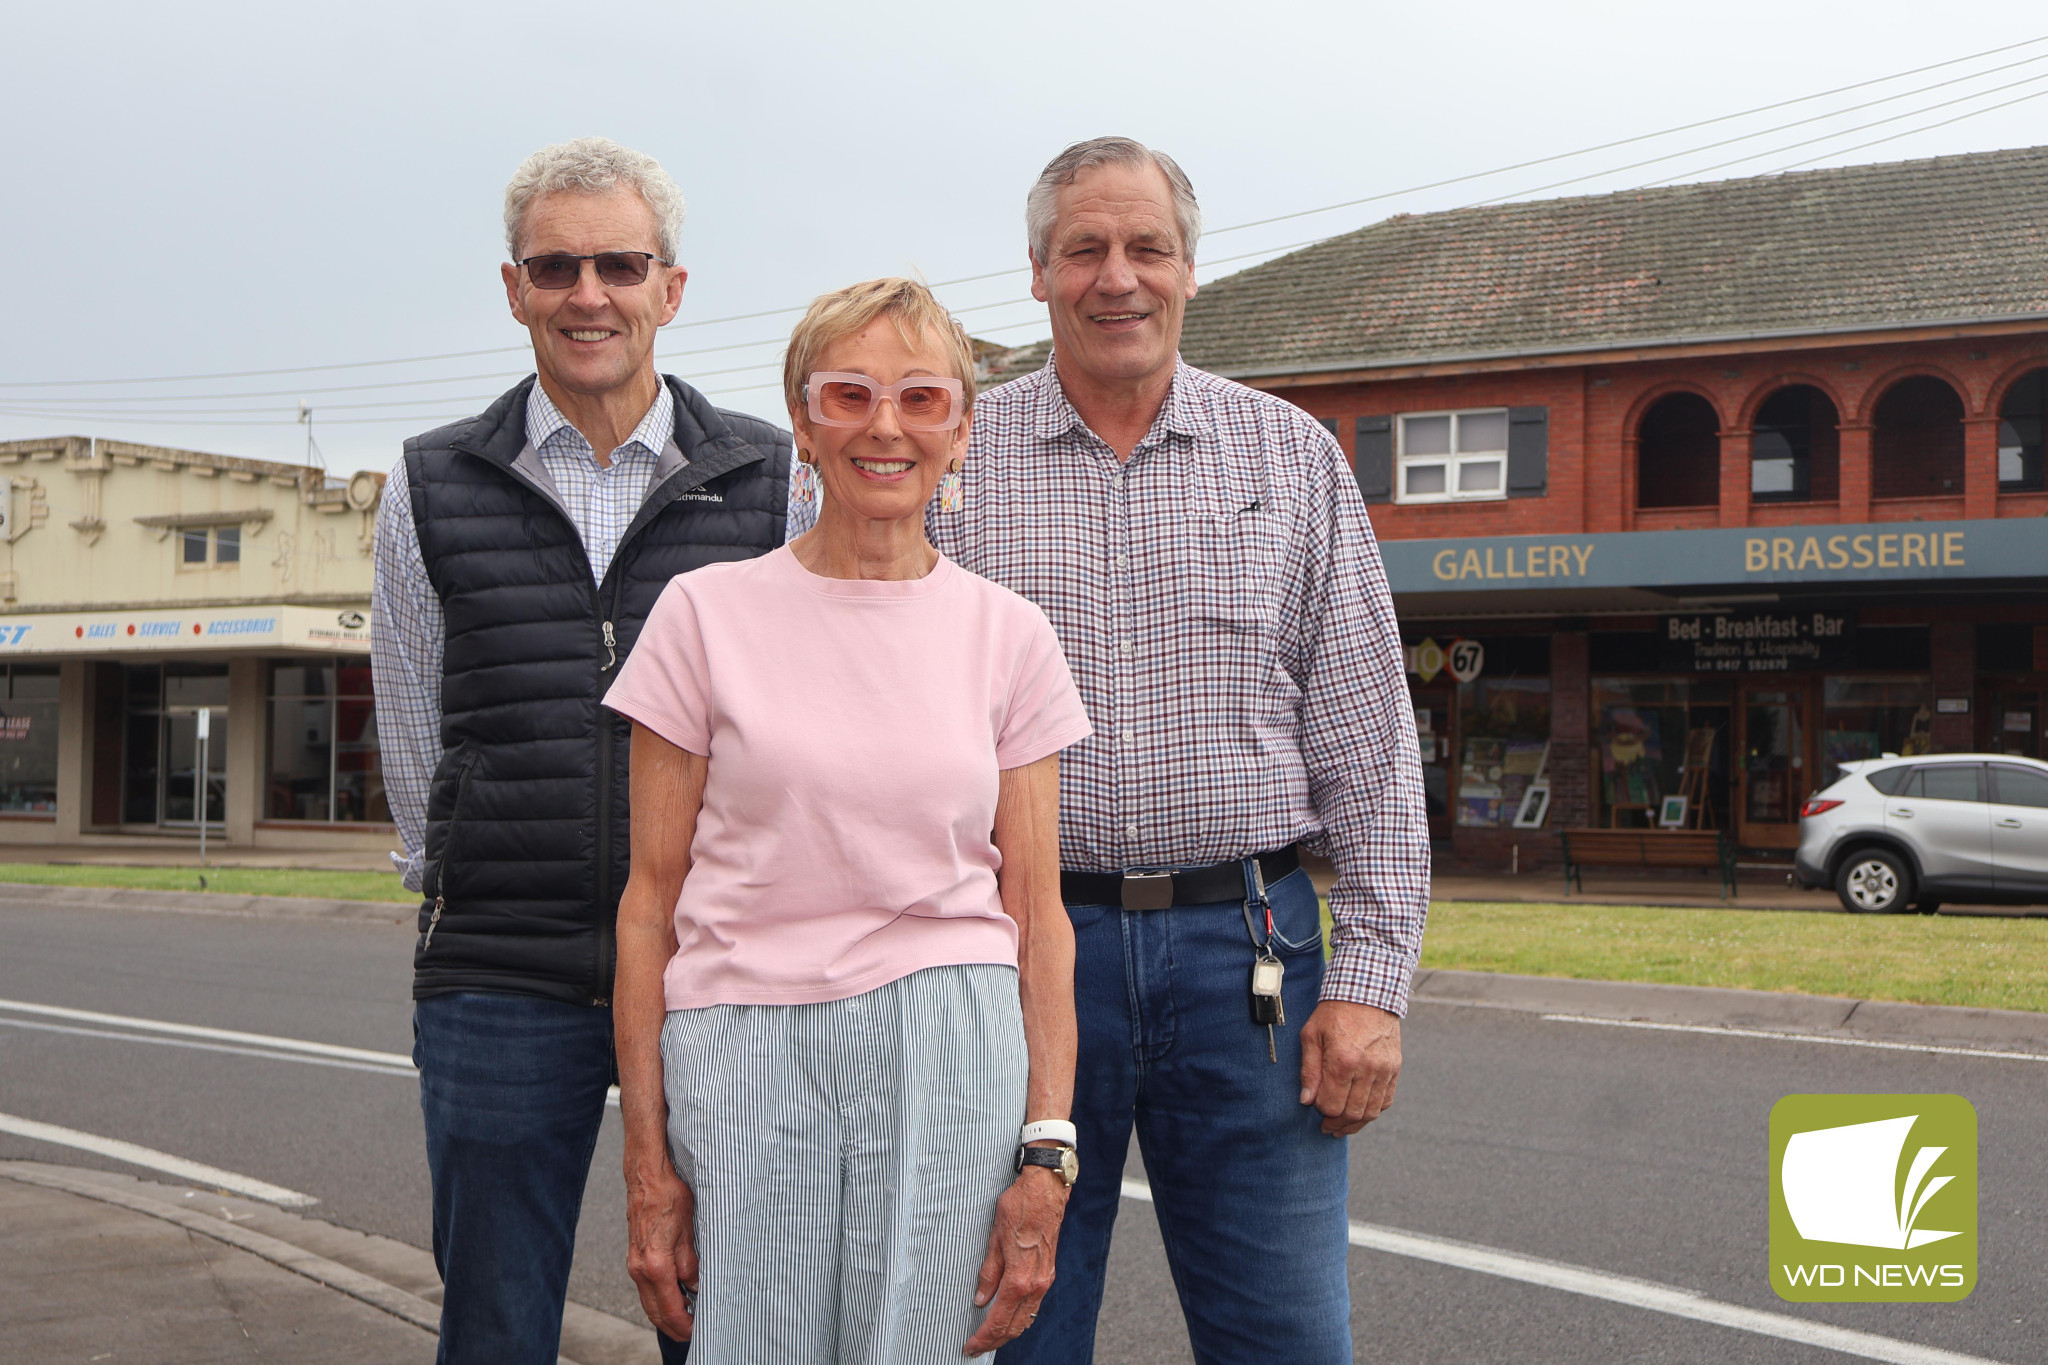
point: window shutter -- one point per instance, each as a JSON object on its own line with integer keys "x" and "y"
{"x": 1373, "y": 460}
{"x": 1528, "y": 452}
{"x": 1329, "y": 424}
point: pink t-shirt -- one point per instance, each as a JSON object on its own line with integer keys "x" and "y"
{"x": 855, "y": 731}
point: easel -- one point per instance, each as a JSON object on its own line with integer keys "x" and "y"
{"x": 1699, "y": 758}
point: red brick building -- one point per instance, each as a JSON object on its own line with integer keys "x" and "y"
{"x": 1730, "y": 483}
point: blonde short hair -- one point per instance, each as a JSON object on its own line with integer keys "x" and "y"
{"x": 914, "y": 309}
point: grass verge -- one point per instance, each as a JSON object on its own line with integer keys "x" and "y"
{"x": 229, "y": 881}
{"x": 1921, "y": 959}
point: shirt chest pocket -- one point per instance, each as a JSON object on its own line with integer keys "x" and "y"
{"x": 1232, "y": 578}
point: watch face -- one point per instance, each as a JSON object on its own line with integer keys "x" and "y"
{"x": 1070, "y": 1165}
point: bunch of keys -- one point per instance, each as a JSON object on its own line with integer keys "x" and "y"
{"x": 1267, "y": 1007}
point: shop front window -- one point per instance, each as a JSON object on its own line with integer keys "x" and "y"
{"x": 1867, "y": 717}
{"x": 1505, "y": 742}
{"x": 323, "y": 757}
{"x": 28, "y": 739}
{"x": 1655, "y": 739}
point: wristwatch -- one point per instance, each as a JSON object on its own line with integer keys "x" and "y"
{"x": 1061, "y": 1160}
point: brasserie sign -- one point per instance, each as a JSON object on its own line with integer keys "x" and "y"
{"x": 1961, "y": 551}
{"x": 1783, "y": 641}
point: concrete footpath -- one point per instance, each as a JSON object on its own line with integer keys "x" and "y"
{"x": 96, "y": 1266}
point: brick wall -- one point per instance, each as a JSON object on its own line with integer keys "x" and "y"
{"x": 1594, "y": 411}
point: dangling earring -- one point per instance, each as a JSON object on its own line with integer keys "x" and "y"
{"x": 951, "y": 491}
{"x": 803, "y": 480}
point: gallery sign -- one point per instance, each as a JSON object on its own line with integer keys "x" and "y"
{"x": 1755, "y": 642}
{"x": 2010, "y": 547}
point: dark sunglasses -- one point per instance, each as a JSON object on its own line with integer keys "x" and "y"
{"x": 561, "y": 270}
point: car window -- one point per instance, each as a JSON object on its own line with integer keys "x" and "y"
{"x": 2018, "y": 786}
{"x": 1891, "y": 781}
{"x": 1947, "y": 782}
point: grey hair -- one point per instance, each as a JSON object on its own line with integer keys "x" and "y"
{"x": 1042, "y": 204}
{"x": 594, "y": 165}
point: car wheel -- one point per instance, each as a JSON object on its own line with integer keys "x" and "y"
{"x": 1873, "y": 881}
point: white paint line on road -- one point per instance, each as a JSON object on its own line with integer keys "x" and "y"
{"x": 271, "y": 1046}
{"x": 354, "y": 1054}
{"x": 1799, "y": 1037}
{"x": 1633, "y": 1293}
{"x": 301, "y": 1059}
{"x": 149, "y": 1157}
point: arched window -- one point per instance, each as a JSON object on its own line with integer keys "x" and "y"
{"x": 1916, "y": 445}
{"x": 2022, "y": 464}
{"x": 1678, "y": 459}
{"x": 1796, "y": 452}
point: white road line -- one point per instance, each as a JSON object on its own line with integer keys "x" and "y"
{"x": 154, "y": 1160}
{"x": 378, "y": 1069}
{"x": 1799, "y": 1037}
{"x": 354, "y": 1054}
{"x": 272, "y": 1046}
{"x": 1633, "y": 1293}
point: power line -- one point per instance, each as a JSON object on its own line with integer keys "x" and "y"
{"x": 1874, "y": 123}
{"x": 1894, "y": 137}
{"x": 1235, "y": 227}
{"x": 1797, "y": 123}
{"x": 1651, "y": 137}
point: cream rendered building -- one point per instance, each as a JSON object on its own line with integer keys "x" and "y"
{"x": 147, "y": 594}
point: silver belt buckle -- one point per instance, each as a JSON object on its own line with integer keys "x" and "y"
{"x": 1148, "y": 890}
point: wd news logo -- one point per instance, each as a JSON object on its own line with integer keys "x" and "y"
{"x": 1873, "y": 1198}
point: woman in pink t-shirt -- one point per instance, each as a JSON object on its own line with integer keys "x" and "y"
{"x": 844, "y": 1003}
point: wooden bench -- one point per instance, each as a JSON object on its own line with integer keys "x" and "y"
{"x": 1707, "y": 849}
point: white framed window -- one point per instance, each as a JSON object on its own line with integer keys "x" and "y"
{"x": 195, "y": 542}
{"x": 1452, "y": 456}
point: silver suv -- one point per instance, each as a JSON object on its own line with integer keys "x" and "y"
{"x": 1899, "y": 832}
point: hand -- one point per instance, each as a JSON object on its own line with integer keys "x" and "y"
{"x": 661, "y": 1251}
{"x": 1019, "y": 1266}
{"x": 1350, "y": 1059}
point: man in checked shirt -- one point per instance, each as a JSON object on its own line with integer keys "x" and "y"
{"x": 1204, "y": 555}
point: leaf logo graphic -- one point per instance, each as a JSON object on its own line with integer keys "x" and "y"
{"x": 1842, "y": 1185}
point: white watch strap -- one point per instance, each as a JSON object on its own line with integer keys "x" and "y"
{"x": 1050, "y": 1130}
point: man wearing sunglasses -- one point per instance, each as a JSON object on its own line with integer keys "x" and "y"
{"x": 518, "y": 554}
{"x": 1205, "y": 558}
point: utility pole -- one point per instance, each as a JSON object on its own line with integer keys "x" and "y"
{"x": 313, "y": 452}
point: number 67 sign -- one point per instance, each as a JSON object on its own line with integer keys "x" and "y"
{"x": 1467, "y": 658}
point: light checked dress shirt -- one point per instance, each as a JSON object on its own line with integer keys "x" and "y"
{"x": 1222, "y": 604}
{"x": 407, "y": 644}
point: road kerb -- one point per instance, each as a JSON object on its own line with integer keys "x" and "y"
{"x": 205, "y": 903}
{"x": 1710, "y": 1006}
{"x": 589, "y": 1336}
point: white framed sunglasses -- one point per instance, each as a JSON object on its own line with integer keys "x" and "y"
{"x": 837, "y": 398}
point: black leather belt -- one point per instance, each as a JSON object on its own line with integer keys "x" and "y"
{"x": 1143, "y": 890}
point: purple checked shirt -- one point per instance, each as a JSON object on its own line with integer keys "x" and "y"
{"x": 1222, "y": 604}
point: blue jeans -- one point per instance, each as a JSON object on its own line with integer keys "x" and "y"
{"x": 1249, "y": 1193}
{"x": 513, "y": 1091}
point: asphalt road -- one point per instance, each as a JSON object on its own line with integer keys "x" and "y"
{"x": 1631, "y": 1152}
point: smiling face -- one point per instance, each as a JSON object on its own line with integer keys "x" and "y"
{"x": 1115, "y": 275}
{"x": 595, "y": 338}
{"x": 881, "y": 471}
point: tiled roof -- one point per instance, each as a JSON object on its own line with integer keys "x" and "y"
{"x": 1955, "y": 238}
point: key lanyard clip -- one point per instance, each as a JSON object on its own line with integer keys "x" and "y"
{"x": 1256, "y": 905}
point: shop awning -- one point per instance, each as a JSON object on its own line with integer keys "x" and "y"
{"x": 1636, "y": 568}
{"x": 244, "y": 627}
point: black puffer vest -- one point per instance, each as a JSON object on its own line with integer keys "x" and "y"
{"x": 526, "y": 843}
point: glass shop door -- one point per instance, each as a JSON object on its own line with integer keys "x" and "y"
{"x": 1774, "y": 775}
{"x": 182, "y": 782}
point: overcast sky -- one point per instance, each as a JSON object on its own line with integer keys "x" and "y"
{"x": 211, "y": 188}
